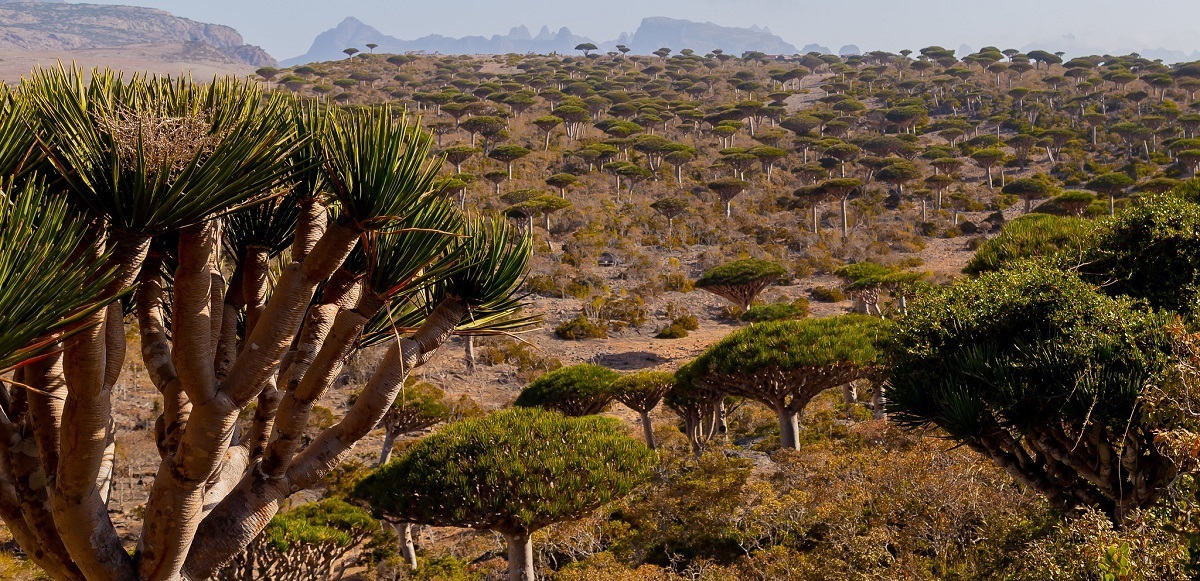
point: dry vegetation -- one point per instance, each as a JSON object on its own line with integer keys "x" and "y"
{"x": 934, "y": 146}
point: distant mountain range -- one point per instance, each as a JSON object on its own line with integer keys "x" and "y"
{"x": 652, "y": 34}
{"x": 56, "y": 26}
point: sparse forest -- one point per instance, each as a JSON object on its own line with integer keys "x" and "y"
{"x": 689, "y": 315}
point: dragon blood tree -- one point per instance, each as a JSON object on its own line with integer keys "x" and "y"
{"x": 701, "y": 406}
{"x": 784, "y": 364}
{"x": 578, "y": 390}
{"x": 515, "y": 472}
{"x": 175, "y": 200}
{"x": 1075, "y": 393}
{"x": 740, "y": 281}
{"x": 642, "y": 392}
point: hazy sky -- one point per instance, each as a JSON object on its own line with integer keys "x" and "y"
{"x": 286, "y": 28}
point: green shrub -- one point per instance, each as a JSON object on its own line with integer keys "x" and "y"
{"x": 1031, "y": 236}
{"x": 824, "y": 294}
{"x": 580, "y": 328}
{"x": 672, "y": 331}
{"x": 515, "y": 471}
{"x": 776, "y": 312}
{"x": 688, "y": 322}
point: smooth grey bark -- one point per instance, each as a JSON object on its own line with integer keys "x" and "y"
{"x": 520, "y": 557}
{"x": 648, "y": 429}
{"x": 789, "y": 430}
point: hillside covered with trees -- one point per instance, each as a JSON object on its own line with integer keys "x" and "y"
{"x": 604, "y": 316}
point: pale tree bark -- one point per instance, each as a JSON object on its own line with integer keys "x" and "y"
{"x": 410, "y": 549}
{"x": 789, "y": 429}
{"x": 520, "y": 556}
{"x": 80, "y": 515}
{"x": 647, "y": 429}
{"x": 245, "y": 512}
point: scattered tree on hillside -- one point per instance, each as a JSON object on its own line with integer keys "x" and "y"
{"x": 741, "y": 281}
{"x": 642, "y": 392}
{"x": 784, "y": 364}
{"x": 727, "y": 189}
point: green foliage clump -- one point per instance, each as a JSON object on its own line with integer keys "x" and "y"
{"x": 776, "y": 312}
{"x": 1029, "y": 358}
{"x": 848, "y": 339}
{"x": 672, "y": 331}
{"x": 741, "y": 272}
{"x": 581, "y": 327}
{"x": 578, "y": 390}
{"x": 1151, "y": 252}
{"x": 514, "y": 471}
{"x": 824, "y": 294}
{"x": 1032, "y": 236}
{"x": 740, "y": 281}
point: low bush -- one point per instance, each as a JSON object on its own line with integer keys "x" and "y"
{"x": 580, "y": 328}
{"x": 775, "y": 312}
{"x": 672, "y": 331}
{"x": 824, "y": 294}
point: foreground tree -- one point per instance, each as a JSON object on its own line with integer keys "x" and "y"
{"x": 514, "y": 472}
{"x": 784, "y": 364}
{"x": 642, "y": 392}
{"x": 1072, "y": 392}
{"x": 157, "y": 169}
{"x": 740, "y": 281}
{"x": 578, "y": 390}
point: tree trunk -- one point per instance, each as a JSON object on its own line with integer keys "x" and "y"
{"x": 789, "y": 430}
{"x": 648, "y": 429}
{"x": 728, "y": 204}
{"x": 520, "y": 557}
{"x": 389, "y": 441}
{"x": 845, "y": 222}
{"x": 409, "y": 548}
{"x": 469, "y": 352}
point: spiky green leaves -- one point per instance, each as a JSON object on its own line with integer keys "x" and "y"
{"x": 578, "y": 390}
{"x": 643, "y": 390}
{"x": 514, "y": 471}
{"x": 47, "y": 282}
{"x": 154, "y": 155}
{"x": 868, "y": 275}
{"x": 378, "y": 167}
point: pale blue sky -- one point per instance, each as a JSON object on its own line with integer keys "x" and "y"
{"x": 286, "y": 28}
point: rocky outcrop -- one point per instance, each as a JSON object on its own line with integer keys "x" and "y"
{"x": 655, "y": 33}
{"x": 52, "y": 26}
{"x": 353, "y": 33}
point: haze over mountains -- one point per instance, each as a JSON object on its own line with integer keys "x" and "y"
{"x": 652, "y": 34}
